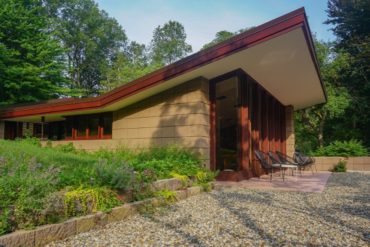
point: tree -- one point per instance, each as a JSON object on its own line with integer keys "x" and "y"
{"x": 92, "y": 41}
{"x": 351, "y": 25}
{"x": 219, "y": 37}
{"x": 169, "y": 43}
{"x": 311, "y": 122}
{"x": 30, "y": 57}
{"x": 128, "y": 66}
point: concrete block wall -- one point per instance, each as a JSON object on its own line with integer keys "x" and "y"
{"x": 290, "y": 137}
{"x": 178, "y": 116}
{"x": 353, "y": 163}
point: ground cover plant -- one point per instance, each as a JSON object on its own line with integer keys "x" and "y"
{"x": 41, "y": 185}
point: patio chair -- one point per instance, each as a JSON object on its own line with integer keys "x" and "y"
{"x": 304, "y": 160}
{"x": 285, "y": 165}
{"x": 289, "y": 160}
{"x": 263, "y": 158}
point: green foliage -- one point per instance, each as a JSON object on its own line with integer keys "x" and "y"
{"x": 83, "y": 201}
{"x": 30, "y": 140}
{"x": 345, "y": 149}
{"x": 185, "y": 181}
{"x": 80, "y": 201}
{"x": 219, "y": 37}
{"x": 205, "y": 176}
{"x": 128, "y": 66}
{"x": 340, "y": 167}
{"x": 222, "y": 36}
{"x": 117, "y": 175}
{"x": 168, "y": 196}
{"x": 31, "y": 67}
{"x": 66, "y": 148}
{"x": 35, "y": 181}
{"x": 162, "y": 160}
{"x": 312, "y": 123}
{"x": 91, "y": 40}
{"x": 349, "y": 21}
{"x": 169, "y": 43}
{"x": 203, "y": 179}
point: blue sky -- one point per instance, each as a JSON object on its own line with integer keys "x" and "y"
{"x": 203, "y": 18}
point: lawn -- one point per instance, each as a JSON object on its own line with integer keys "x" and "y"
{"x": 41, "y": 185}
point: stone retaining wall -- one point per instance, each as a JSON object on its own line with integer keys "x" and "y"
{"x": 353, "y": 163}
{"x": 45, "y": 234}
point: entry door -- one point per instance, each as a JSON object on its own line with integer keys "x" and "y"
{"x": 227, "y": 121}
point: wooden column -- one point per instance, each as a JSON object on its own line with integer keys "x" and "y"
{"x": 283, "y": 130}
{"x": 212, "y": 114}
{"x": 245, "y": 89}
{"x": 265, "y": 121}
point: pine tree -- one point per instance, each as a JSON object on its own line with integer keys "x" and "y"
{"x": 31, "y": 67}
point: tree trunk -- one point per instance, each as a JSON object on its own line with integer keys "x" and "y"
{"x": 321, "y": 132}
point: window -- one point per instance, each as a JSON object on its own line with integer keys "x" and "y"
{"x": 96, "y": 126}
{"x": 107, "y": 125}
{"x": 93, "y": 126}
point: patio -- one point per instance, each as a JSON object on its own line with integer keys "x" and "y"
{"x": 307, "y": 182}
{"x": 338, "y": 216}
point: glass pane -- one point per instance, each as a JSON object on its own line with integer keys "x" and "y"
{"x": 68, "y": 127}
{"x": 227, "y": 109}
{"x": 81, "y": 126}
{"x": 93, "y": 124}
{"x": 107, "y": 123}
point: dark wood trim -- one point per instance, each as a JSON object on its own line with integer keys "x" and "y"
{"x": 293, "y": 20}
{"x": 212, "y": 121}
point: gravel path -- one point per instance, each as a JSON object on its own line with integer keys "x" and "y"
{"x": 340, "y": 216}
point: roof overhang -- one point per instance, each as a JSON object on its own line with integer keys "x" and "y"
{"x": 279, "y": 55}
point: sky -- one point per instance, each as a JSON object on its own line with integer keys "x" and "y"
{"x": 202, "y": 19}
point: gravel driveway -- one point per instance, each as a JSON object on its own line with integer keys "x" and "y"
{"x": 340, "y": 216}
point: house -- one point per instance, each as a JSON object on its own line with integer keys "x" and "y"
{"x": 224, "y": 102}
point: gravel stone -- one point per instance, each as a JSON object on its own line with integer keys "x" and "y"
{"x": 339, "y": 216}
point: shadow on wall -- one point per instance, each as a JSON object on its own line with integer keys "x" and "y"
{"x": 178, "y": 116}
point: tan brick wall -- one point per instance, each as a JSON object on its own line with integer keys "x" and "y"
{"x": 290, "y": 137}
{"x": 178, "y": 116}
{"x": 2, "y": 129}
{"x": 353, "y": 163}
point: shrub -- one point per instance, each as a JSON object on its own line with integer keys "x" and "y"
{"x": 205, "y": 176}
{"x": 115, "y": 174}
{"x": 168, "y": 196}
{"x": 29, "y": 140}
{"x": 35, "y": 181}
{"x": 165, "y": 160}
{"x": 340, "y": 167}
{"x": 342, "y": 148}
{"x": 80, "y": 201}
{"x": 185, "y": 181}
{"x": 66, "y": 148}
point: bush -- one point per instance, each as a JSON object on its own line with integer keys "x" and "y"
{"x": 168, "y": 196}
{"x": 115, "y": 174}
{"x": 340, "y": 167}
{"x": 35, "y": 180}
{"x": 80, "y": 201}
{"x": 66, "y": 148}
{"x": 342, "y": 148}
